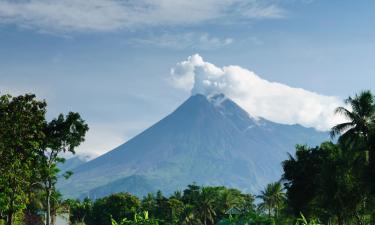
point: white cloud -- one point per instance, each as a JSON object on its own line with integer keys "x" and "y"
{"x": 110, "y": 15}
{"x": 273, "y": 101}
{"x": 201, "y": 41}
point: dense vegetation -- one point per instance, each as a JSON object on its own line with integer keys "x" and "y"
{"x": 195, "y": 205}
{"x": 30, "y": 149}
{"x": 335, "y": 182}
{"x": 329, "y": 184}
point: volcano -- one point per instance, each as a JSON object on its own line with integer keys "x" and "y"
{"x": 207, "y": 140}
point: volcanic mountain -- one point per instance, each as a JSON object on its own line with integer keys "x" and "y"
{"x": 207, "y": 140}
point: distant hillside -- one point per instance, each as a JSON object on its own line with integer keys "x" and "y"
{"x": 211, "y": 141}
{"x": 71, "y": 163}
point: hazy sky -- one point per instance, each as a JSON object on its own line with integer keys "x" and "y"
{"x": 111, "y": 60}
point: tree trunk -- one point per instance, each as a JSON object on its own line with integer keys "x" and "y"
{"x": 10, "y": 218}
{"x": 53, "y": 218}
{"x": 48, "y": 201}
{"x": 371, "y": 171}
{"x": 276, "y": 212}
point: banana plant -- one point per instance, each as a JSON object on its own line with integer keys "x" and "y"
{"x": 137, "y": 220}
{"x": 303, "y": 221}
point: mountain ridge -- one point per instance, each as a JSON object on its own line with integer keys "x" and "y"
{"x": 209, "y": 140}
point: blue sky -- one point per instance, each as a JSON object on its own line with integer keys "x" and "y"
{"x": 110, "y": 60}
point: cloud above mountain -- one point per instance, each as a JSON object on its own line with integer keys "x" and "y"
{"x": 110, "y": 15}
{"x": 271, "y": 100}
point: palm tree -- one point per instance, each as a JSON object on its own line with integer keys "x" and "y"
{"x": 360, "y": 120}
{"x": 206, "y": 206}
{"x": 227, "y": 200}
{"x": 188, "y": 216}
{"x": 272, "y": 198}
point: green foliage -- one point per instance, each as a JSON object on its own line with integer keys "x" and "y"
{"x": 196, "y": 205}
{"x": 22, "y": 120}
{"x": 63, "y": 134}
{"x": 360, "y": 117}
{"x": 322, "y": 182}
{"x": 117, "y": 206}
{"x": 299, "y": 172}
{"x": 272, "y": 198}
{"x": 79, "y": 211}
{"x": 137, "y": 220}
{"x": 335, "y": 182}
{"x": 303, "y": 221}
{"x": 29, "y": 152}
{"x": 249, "y": 218}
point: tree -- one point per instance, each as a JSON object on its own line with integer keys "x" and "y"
{"x": 340, "y": 192}
{"x": 358, "y": 133}
{"x": 118, "y": 206}
{"x": 22, "y": 120}
{"x": 79, "y": 211}
{"x": 272, "y": 198}
{"x": 227, "y": 198}
{"x": 205, "y": 206}
{"x": 162, "y": 211}
{"x": 246, "y": 203}
{"x": 326, "y": 182}
{"x": 175, "y": 208}
{"x": 191, "y": 194}
{"x": 189, "y": 216}
{"x": 30, "y": 149}
{"x": 299, "y": 179}
{"x": 63, "y": 134}
{"x": 149, "y": 203}
{"x": 360, "y": 120}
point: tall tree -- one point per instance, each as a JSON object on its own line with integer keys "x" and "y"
{"x": 118, "y": 206}
{"x": 299, "y": 173}
{"x": 340, "y": 191}
{"x": 189, "y": 216}
{"x": 30, "y": 150}
{"x": 79, "y": 211}
{"x": 205, "y": 207}
{"x": 149, "y": 204}
{"x": 175, "y": 208}
{"x": 191, "y": 193}
{"x": 22, "y": 120}
{"x": 360, "y": 118}
{"x": 63, "y": 135}
{"x": 272, "y": 198}
{"x": 326, "y": 182}
{"x": 358, "y": 133}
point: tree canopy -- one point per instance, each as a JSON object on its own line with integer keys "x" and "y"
{"x": 30, "y": 149}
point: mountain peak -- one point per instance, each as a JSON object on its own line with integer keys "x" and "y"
{"x": 208, "y": 139}
{"x": 229, "y": 108}
{"x": 217, "y": 99}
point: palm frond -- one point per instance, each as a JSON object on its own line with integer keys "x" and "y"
{"x": 340, "y": 129}
{"x": 345, "y": 112}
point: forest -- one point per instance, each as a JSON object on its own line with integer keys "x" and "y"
{"x": 333, "y": 183}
